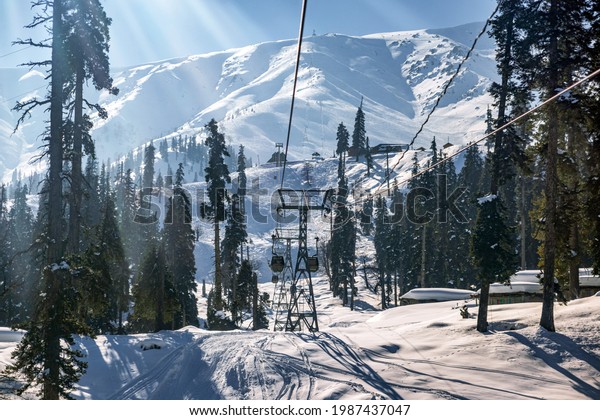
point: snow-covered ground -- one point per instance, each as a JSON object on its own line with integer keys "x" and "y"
{"x": 422, "y": 351}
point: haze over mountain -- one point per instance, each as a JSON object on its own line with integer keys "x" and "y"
{"x": 248, "y": 90}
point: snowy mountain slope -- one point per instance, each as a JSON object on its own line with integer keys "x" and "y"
{"x": 248, "y": 90}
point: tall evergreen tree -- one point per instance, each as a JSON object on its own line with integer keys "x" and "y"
{"x": 153, "y": 294}
{"x": 558, "y": 36}
{"x": 366, "y": 216}
{"x": 87, "y": 45}
{"x": 179, "y": 239}
{"x": 470, "y": 177}
{"x": 343, "y": 243}
{"x": 20, "y": 275}
{"x": 217, "y": 177}
{"x": 342, "y": 147}
{"x": 359, "y": 135}
{"x": 241, "y": 169}
{"x": 342, "y": 138}
{"x": 493, "y": 239}
{"x": 382, "y": 246}
{"x": 102, "y": 274}
{"x": 232, "y": 257}
{"x": 44, "y": 355}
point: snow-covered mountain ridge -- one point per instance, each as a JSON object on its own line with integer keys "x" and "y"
{"x": 248, "y": 90}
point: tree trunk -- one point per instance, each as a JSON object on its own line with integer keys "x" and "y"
{"x": 54, "y": 286}
{"x": 396, "y": 288}
{"x": 423, "y": 256}
{"x": 382, "y": 284}
{"x": 550, "y": 189}
{"x": 523, "y": 225}
{"x": 574, "y": 261}
{"x": 76, "y": 173}
{"x": 484, "y": 298}
{"x": 255, "y": 320}
{"x": 160, "y": 307}
{"x": 218, "y": 281}
{"x": 497, "y": 157}
{"x": 352, "y": 292}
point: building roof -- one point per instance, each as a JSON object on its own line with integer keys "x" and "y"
{"x": 438, "y": 294}
{"x": 514, "y": 288}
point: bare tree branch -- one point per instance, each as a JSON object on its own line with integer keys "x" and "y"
{"x": 25, "y": 108}
{"x": 30, "y": 42}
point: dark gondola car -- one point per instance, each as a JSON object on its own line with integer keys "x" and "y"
{"x": 277, "y": 263}
{"x": 313, "y": 264}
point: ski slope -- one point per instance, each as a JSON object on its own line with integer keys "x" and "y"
{"x": 416, "y": 352}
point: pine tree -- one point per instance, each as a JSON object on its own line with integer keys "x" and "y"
{"x": 43, "y": 355}
{"x": 342, "y": 138}
{"x": 87, "y": 45}
{"x": 153, "y": 294}
{"x": 102, "y": 275}
{"x": 241, "y": 169}
{"x": 558, "y": 36}
{"x": 179, "y": 240}
{"x": 494, "y": 239}
{"x": 591, "y": 110}
{"x": 493, "y": 251}
{"x": 342, "y": 148}
{"x": 6, "y": 282}
{"x": 148, "y": 176}
{"x": 129, "y": 229}
{"x": 359, "y": 135}
{"x": 146, "y": 216}
{"x": 368, "y": 157}
{"x": 19, "y": 278}
{"x": 242, "y": 299}
{"x": 217, "y": 176}
{"x": 343, "y": 243}
{"x": 235, "y": 237}
{"x": 366, "y": 216}
{"x": 259, "y": 316}
{"x": 470, "y": 177}
{"x": 399, "y": 242}
{"x": 382, "y": 246}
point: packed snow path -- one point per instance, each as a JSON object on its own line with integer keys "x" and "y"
{"x": 257, "y": 366}
{"x": 414, "y": 352}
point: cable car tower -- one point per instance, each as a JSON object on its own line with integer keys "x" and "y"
{"x": 302, "y": 310}
{"x": 283, "y": 273}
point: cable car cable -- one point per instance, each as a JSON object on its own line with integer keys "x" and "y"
{"x": 300, "y": 35}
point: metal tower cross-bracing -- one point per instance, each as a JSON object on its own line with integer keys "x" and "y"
{"x": 302, "y": 312}
{"x": 283, "y": 283}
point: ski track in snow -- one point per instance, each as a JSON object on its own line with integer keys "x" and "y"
{"x": 414, "y": 352}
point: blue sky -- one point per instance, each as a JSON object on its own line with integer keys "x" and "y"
{"x": 151, "y": 30}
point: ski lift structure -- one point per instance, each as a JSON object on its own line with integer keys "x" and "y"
{"x": 282, "y": 246}
{"x": 301, "y": 311}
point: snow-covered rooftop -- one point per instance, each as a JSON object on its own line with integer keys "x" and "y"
{"x": 514, "y": 287}
{"x": 438, "y": 294}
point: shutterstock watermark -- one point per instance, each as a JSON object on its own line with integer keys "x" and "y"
{"x": 261, "y": 205}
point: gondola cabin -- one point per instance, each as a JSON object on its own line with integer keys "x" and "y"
{"x": 277, "y": 263}
{"x": 313, "y": 264}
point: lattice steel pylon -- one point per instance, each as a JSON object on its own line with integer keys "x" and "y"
{"x": 302, "y": 309}
{"x": 280, "y": 296}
